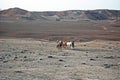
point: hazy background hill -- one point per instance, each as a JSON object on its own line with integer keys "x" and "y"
{"x": 20, "y": 14}
{"x": 54, "y": 25}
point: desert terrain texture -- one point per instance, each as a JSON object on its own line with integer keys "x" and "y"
{"x": 36, "y": 59}
{"x": 28, "y": 45}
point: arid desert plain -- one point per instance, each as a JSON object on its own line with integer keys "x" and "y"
{"x": 28, "y": 50}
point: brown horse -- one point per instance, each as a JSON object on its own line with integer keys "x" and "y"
{"x": 65, "y": 44}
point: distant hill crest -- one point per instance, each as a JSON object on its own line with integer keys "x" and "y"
{"x": 21, "y": 14}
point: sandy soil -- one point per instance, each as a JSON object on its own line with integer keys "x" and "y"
{"x": 30, "y": 59}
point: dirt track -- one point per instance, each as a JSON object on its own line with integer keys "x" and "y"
{"x": 30, "y": 59}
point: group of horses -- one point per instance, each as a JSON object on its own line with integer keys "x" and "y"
{"x": 65, "y": 44}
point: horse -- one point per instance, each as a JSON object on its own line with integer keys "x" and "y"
{"x": 65, "y": 44}
{"x": 59, "y": 44}
{"x": 70, "y": 44}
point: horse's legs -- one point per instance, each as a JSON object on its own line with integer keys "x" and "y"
{"x": 71, "y": 46}
{"x": 64, "y": 46}
{"x": 59, "y": 46}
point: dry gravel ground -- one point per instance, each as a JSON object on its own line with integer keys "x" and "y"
{"x": 30, "y": 59}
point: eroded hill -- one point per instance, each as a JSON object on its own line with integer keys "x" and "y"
{"x": 20, "y": 14}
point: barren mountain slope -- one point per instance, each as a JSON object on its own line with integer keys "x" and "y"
{"x": 20, "y": 14}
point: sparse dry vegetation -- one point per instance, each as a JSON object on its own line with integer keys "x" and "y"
{"x": 29, "y": 59}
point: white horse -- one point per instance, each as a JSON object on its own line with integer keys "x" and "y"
{"x": 70, "y": 44}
